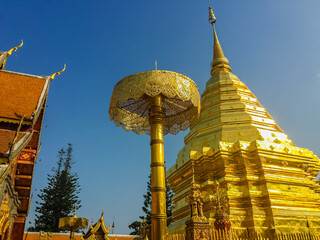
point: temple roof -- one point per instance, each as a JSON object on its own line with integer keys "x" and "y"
{"x": 99, "y": 228}
{"x": 22, "y": 98}
{"x": 21, "y": 94}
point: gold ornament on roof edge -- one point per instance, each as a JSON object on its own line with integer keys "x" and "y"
{"x": 14, "y": 49}
{"x": 58, "y": 73}
{"x": 131, "y": 101}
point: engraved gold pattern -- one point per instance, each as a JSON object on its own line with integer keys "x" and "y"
{"x": 130, "y": 101}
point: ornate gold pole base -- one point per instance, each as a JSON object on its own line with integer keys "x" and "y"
{"x": 158, "y": 187}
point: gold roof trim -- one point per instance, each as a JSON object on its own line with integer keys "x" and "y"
{"x": 25, "y": 122}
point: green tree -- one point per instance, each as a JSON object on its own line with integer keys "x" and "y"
{"x": 135, "y": 226}
{"x": 146, "y": 208}
{"x": 60, "y": 197}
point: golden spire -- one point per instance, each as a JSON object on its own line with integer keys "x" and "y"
{"x": 219, "y": 62}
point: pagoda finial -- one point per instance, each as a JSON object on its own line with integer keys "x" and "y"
{"x": 74, "y": 213}
{"x": 57, "y": 73}
{"x": 14, "y": 49}
{"x": 219, "y": 62}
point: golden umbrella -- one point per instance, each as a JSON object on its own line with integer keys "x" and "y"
{"x": 73, "y": 224}
{"x": 156, "y": 103}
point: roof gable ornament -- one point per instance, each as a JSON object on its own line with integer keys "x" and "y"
{"x": 4, "y": 55}
{"x": 57, "y": 73}
{"x": 14, "y": 49}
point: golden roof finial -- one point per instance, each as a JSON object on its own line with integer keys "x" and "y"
{"x": 58, "y": 73}
{"x": 102, "y": 213}
{"x": 155, "y": 65}
{"x": 219, "y": 62}
{"x": 212, "y": 17}
{"x": 14, "y": 49}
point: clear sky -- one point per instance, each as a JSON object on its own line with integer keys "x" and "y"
{"x": 273, "y": 47}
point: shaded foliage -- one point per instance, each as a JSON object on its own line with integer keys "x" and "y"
{"x": 60, "y": 197}
{"x": 135, "y": 226}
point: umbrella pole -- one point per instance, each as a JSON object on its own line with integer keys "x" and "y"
{"x": 158, "y": 187}
{"x": 71, "y": 235}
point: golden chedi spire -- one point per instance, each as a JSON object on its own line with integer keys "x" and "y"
{"x": 270, "y": 183}
{"x": 219, "y": 62}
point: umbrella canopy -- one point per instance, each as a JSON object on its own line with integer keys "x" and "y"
{"x": 131, "y": 101}
{"x": 73, "y": 223}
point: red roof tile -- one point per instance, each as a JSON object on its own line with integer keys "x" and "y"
{"x": 19, "y": 94}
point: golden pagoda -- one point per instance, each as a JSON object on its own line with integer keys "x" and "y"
{"x": 237, "y": 147}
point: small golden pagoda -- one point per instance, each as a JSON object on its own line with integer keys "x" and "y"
{"x": 98, "y": 230}
{"x": 236, "y": 145}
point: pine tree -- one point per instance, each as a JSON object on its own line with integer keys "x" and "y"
{"x": 60, "y": 197}
{"x": 135, "y": 226}
{"x": 146, "y": 208}
{"x": 147, "y": 203}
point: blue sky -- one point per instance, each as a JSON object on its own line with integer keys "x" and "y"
{"x": 273, "y": 47}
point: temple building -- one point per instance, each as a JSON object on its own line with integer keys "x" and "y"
{"x": 99, "y": 231}
{"x": 23, "y": 99}
{"x": 239, "y": 151}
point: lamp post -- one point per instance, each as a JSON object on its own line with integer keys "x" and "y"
{"x": 156, "y": 103}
